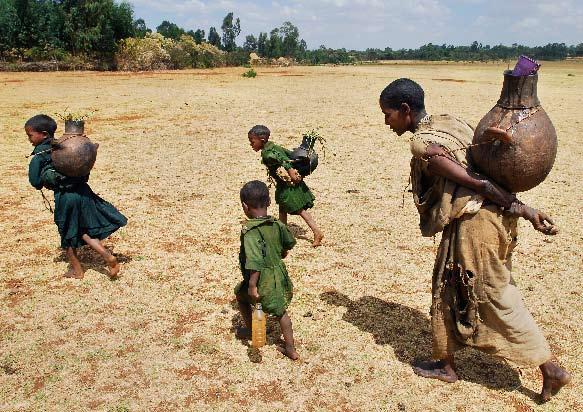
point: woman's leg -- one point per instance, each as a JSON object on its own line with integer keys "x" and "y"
{"x": 111, "y": 260}
{"x": 318, "y": 235}
{"x": 554, "y": 378}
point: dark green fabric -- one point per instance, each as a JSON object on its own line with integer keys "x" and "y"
{"x": 78, "y": 210}
{"x": 292, "y": 199}
{"x": 263, "y": 240}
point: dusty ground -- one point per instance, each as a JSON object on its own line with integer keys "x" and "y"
{"x": 173, "y": 155}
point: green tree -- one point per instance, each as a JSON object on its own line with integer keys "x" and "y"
{"x": 230, "y": 32}
{"x": 8, "y": 26}
{"x": 214, "y": 38}
{"x": 274, "y": 44}
{"x": 170, "y": 30}
{"x": 290, "y": 39}
{"x": 250, "y": 43}
{"x": 140, "y": 29}
{"x": 262, "y": 44}
{"x": 198, "y": 36}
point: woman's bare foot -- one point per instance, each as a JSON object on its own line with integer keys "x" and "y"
{"x": 74, "y": 274}
{"x": 114, "y": 267}
{"x": 554, "y": 378}
{"x": 318, "y": 236}
{"x": 289, "y": 351}
{"x": 440, "y": 370}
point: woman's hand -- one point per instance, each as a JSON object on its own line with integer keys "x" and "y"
{"x": 539, "y": 220}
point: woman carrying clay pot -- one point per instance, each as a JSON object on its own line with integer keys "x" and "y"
{"x": 474, "y": 299}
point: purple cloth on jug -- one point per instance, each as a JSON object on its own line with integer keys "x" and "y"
{"x": 525, "y": 66}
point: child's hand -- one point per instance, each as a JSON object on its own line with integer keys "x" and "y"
{"x": 253, "y": 293}
{"x": 294, "y": 175}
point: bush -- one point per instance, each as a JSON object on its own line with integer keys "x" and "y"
{"x": 156, "y": 52}
{"x": 148, "y": 53}
{"x": 250, "y": 73}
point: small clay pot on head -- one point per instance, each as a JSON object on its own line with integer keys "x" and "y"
{"x": 74, "y": 127}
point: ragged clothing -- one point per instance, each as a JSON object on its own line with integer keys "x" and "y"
{"x": 263, "y": 240}
{"x": 78, "y": 210}
{"x": 438, "y": 199}
{"x": 474, "y": 299}
{"x": 292, "y": 198}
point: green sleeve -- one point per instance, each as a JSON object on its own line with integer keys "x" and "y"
{"x": 34, "y": 172}
{"x": 287, "y": 239}
{"x": 254, "y": 251}
{"x": 276, "y": 158}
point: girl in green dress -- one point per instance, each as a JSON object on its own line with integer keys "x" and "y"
{"x": 291, "y": 193}
{"x": 81, "y": 216}
{"x": 265, "y": 241}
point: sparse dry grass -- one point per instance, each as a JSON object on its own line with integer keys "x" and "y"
{"x": 173, "y": 154}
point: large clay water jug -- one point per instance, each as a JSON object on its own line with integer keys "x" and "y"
{"x": 515, "y": 143}
{"x": 73, "y": 154}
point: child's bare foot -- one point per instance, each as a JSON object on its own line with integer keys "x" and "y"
{"x": 289, "y": 351}
{"x": 114, "y": 267}
{"x": 243, "y": 333}
{"x": 318, "y": 236}
{"x": 435, "y": 370}
{"x": 74, "y": 274}
{"x": 554, "y": 378}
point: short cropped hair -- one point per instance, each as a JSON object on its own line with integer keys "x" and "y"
{"x": 403, "y": 91}
{"x": 255, "y": 194}
{"x": 42, "y": 123}
{"x": 260, "y": 131}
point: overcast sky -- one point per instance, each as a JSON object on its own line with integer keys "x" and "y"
{"x": 360, "y": 24}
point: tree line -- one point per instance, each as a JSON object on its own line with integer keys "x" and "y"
{"x": 60, "y": 30}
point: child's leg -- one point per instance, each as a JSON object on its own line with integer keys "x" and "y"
{"x": 288, "y": 336}
{"x": 318, "y": 235}
{"x": 282, "y": 215}
{"x": 111, "y": 260}
{"x": 245, "y": 309}
{"x": 76, "y": 270}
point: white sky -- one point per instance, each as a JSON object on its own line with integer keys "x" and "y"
{"x": 360, "y": 24}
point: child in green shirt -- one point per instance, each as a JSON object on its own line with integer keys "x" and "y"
{"x": 291, "y": 193}
{"x": 81, "y": 216}
{"x": 265, "y": 241}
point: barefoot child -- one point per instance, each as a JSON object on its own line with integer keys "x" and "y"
{"x": 81, "y": 216}
{"x": 291, "y": 193}
{"x": 475, "y": 301}
{"x": 264, "y": 242}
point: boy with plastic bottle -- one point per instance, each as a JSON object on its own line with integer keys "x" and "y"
{"x": 265, "y": 241}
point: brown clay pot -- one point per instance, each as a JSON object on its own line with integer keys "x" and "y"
{"x": 516, "y": 142}
{"x": 73, "y": 154}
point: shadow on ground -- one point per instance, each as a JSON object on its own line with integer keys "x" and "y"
{"x": 408, "y": 332}
{"x": 298, "y": 231}
{"x": 90, "y": 259}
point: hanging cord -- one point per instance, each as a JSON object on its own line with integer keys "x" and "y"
{"x": 46, "y": 202}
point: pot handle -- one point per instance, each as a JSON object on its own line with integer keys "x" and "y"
{"x": 492, "y": 134}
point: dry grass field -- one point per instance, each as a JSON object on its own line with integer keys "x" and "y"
{"x": 173, "y": 154}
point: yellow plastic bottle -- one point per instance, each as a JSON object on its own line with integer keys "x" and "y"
{"x": 258, "y": 327}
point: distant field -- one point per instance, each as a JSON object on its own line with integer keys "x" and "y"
{"x": 173, "y": 154}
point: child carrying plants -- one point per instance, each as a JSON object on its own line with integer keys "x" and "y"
{"x": 291, "y": 193}
{"x": 265, "y": 241}
{"x": 81, "y": 216}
